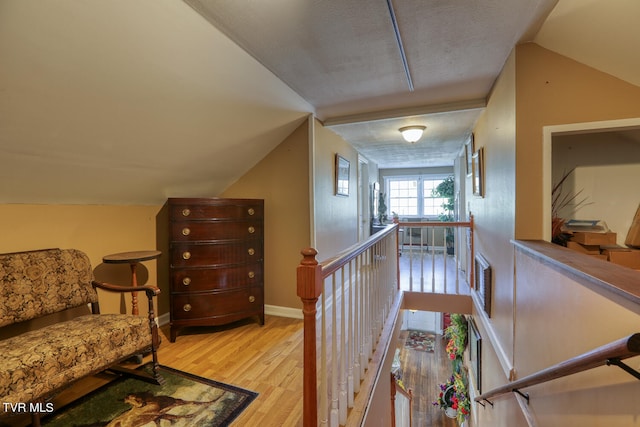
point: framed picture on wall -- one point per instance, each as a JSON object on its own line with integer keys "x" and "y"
{"x": 468, "y": 154}
{"x": 477, "y": 163}
{"x": 475, "y": 353}
{"x": 342, "y": 176}
{"x": 483, "y": 282}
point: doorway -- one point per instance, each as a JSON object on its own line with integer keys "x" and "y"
{"x": 604, "y": 158}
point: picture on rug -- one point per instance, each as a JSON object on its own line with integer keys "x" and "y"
{"x": 184, "y": 400}
{"x": 420, "y": 340}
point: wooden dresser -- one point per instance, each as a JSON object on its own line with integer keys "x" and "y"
{"x": 215, "y": 261}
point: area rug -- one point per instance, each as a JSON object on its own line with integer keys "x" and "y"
{"x": 420, "y": 340}
{"x": 184, "y": 400}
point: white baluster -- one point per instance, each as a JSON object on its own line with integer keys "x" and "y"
{"x": 324, "y": 388}
{"x": 334, "y": 355}
{"x": 342, "y": 398}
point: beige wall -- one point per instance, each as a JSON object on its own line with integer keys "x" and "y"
{"x": 335, "y": 217}
{"x": 282, "y": 180}
{"x": 559, "y": 318}
{"x": 551, "y": 90}
{"x": 97, "y": 230}
{"x": 494, "y": 213}
{"x": 540, "y": 317}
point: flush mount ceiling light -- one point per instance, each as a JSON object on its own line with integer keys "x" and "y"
{"x": 412, "y": 133}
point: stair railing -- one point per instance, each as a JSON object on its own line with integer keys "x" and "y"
{"x": 346, "y": 301}
{"x": 608, "y": 354}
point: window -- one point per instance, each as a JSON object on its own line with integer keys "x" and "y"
{"x": 411, "y": 196}
{"x": 403, "y": 196}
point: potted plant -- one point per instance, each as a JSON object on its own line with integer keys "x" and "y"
{"x": 561, "y": 201}
{"x": 454, "y": 398}
{"x": 382, "y": 209}
{"x": 446, "y": 190}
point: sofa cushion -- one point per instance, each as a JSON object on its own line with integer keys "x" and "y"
{"x": 38, "y": 283}
{"x": 41, "y": 361}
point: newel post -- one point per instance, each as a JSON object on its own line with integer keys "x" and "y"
{"x": 309, "y": 276}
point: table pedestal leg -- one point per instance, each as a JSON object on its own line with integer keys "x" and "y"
{"x": 134, "y": 295}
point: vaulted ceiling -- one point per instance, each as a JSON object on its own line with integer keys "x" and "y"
{"x": 131, "y": 102}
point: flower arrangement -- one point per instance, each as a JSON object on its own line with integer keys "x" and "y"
{"x": 454, "y": 398}
{"x": 456, "y": 333}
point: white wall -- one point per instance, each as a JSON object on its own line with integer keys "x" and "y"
{"x": 606, "y": 175}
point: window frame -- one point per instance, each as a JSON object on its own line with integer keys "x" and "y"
{"x": 420, "y": 178}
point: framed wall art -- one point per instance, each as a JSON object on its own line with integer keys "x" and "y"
{"x": 483, "y": 282}
{"x": 468, "y": 154}
{"x": 342, "y": 176}
{"x": 475, "y": 353}
{"x": 477, "y": 163}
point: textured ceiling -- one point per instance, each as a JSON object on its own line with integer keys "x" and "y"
{"x": 370, "y": 67}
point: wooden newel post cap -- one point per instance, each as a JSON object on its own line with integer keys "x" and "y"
{"x": 309, "y": 256}
{"x": 309, "y": 273}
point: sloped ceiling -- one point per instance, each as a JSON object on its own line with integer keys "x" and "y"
{"x": 120, "y": 102}
{"x": 602, "y": 34}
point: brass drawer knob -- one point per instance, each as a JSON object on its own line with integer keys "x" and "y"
{"x": 186, "y": 231}
{"x": 252, "y": 275}
{"x": 252, "y": 230}
{"x": 252, "y": 298}
{"x": 186, "y": 281}
{"x": 187, "y": 307}
{"x": 251, "y": 251}
{"x": 251, "y": 211}
{"x": 186, "y": 212}
{"x": 186, "y": 255}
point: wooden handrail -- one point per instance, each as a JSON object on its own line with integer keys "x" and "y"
{"x": 311, "y": 277}
{"x": 333, "y": 264}
{"x": 607, "y": 354}
{"x": 436, "y": 223}
{"x": 368, "y": 301}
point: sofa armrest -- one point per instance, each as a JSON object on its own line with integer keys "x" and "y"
{"x": 151, "y": 291}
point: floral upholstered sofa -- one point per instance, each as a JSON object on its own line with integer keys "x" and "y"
{"x": 38, "y": 363}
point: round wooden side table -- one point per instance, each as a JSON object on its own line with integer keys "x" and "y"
{"x": 133, "y": 259}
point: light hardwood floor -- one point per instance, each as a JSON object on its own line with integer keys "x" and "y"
{"x": 423, "y": 372}
{"x": 265, "y": 359}
{"x": 268, "y": 360}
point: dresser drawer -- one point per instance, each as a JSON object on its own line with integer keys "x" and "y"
{"x": 204, "y": 279}
{"x": 220, "y": 304}
{"x": 215, "y": 254}
{"x": 215, "y": 230}
{"x": 213, "y": 210}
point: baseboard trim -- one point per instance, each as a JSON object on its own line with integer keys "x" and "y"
{"x": 274, "y": 310}
{"x": 163, "y": 319}
{"x": 271, "y": 310}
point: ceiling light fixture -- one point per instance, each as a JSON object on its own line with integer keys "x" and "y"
{"x": 412, "y": 133}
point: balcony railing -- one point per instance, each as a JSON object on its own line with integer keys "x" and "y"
{"x": 350, "y": 303}
{"x": 436, "y": 253}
